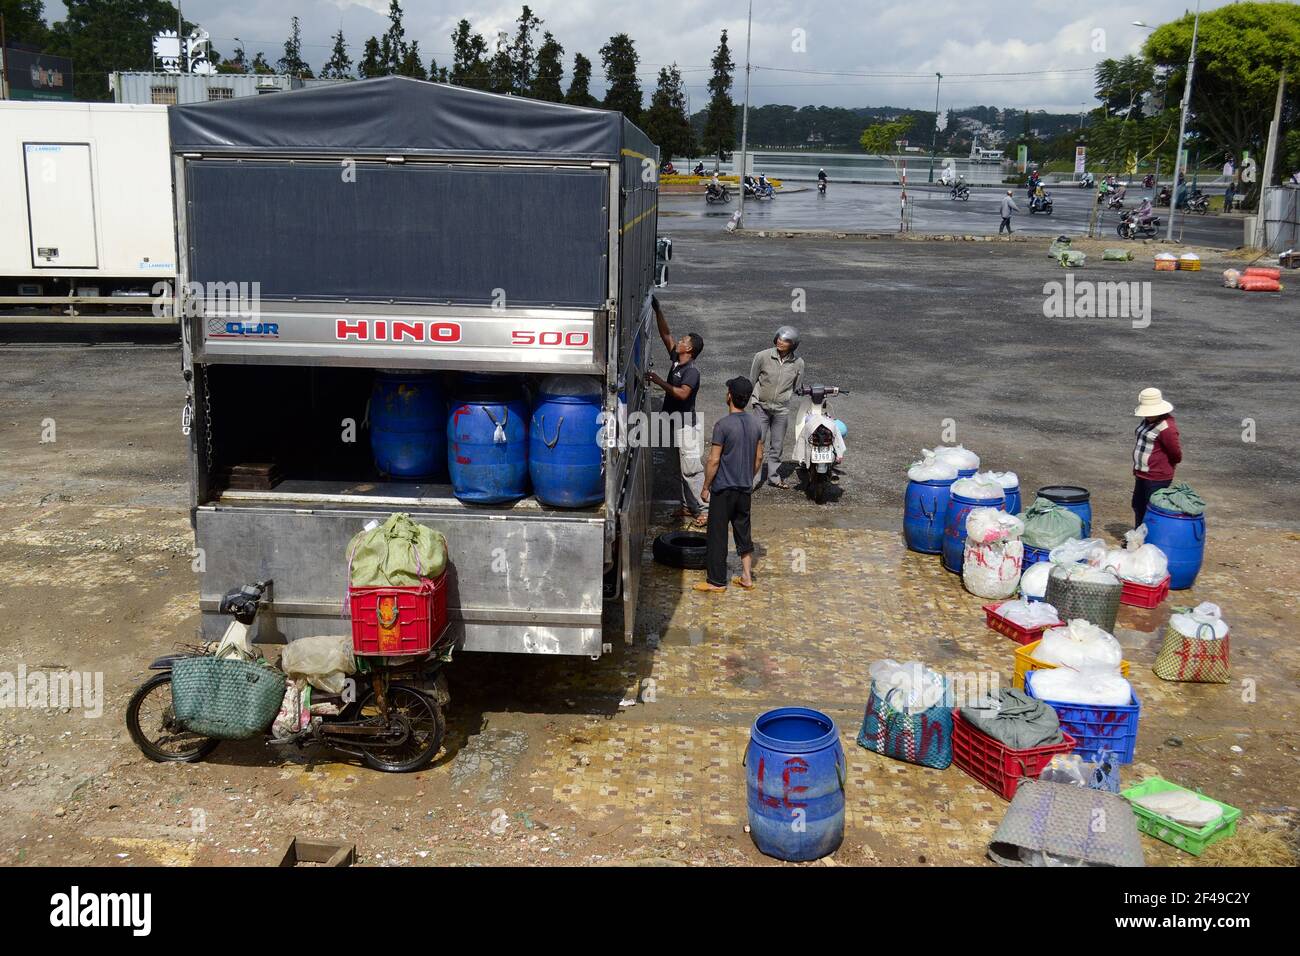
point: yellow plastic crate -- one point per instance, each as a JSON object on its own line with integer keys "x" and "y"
{"x": 1189, "y": 265}
{"x": 1025, "y": 663}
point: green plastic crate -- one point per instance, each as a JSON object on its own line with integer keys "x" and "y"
{"x": 1177, "y": 834}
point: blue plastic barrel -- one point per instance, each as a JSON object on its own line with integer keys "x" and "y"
{"x": 954, "y": 530}
{"x": 795, "y": 772}
{"x": 408, "y": 425}
{"x": 925, "y": 509}
{"x": 1182, "y": 538}
{"x": 487, "y": 441}
{"x": 565, "y": 459}
{"x": 1012, "y": 496}
{"x": 966, "y": 472}
{"x": 1072, "y": 498}
{"x": 1033, "y": 556}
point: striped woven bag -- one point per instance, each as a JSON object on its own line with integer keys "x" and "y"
{"x": 1194, "y": 660}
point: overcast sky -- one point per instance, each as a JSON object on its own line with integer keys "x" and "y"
{"x": 841, "y": 36}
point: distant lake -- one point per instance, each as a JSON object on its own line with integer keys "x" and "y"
{"x": 850, "y": 167}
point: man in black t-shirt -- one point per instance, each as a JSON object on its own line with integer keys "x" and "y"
{"x": 735, "y": 456}
{"x": 680, "y": 388}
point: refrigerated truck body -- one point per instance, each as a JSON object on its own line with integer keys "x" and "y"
{"x": 398, "y": 224}
{"x": 86, "y": 207}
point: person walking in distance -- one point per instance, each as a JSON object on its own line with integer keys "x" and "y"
{"x": 1156, "y": 449}
{"x": 1008, "y": 207}
{"x": 735, "y": 456}
{"x": 680, "y": 388}
{"x": 775, "y": 374}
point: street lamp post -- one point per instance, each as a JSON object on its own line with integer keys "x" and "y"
{"x": 744, "y": 119}
{"x": 934, "y": 140}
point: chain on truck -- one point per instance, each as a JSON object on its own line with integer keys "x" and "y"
{"x": 393, "y": 226}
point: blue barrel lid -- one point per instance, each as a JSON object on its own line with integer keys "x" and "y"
{"x": 796, "y": 730}
{"x": 1064, "y": 494}
{"x": 580, "y": 387}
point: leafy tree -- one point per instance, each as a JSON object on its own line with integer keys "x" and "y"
{"x": 437, "y": 74}
{"x": 720, "y": 118}
{"x": 579, "y": 87}
{"x": 234, "y": 64}
{"x": 292, "y": 62}
{"x": 260, "y": 65}
{"x": 101, "y": 36}
{"x": 879, "y": 138}
{"x": 392, "y": 45}
{"x": 523, "y": 51}
{"x": 624, "y": 89}
{"x": 469, "y": 65}
{"x": 665, "y": 122}
{"x": 1241, "y": 49}
{"x": 501, "y": 68}
{"x": 372, "y": 61}
{"x": 339, "y": 66}
{"x": 1123, "y": 85}
{"x": 25, "y": 21}
{"x": 550, "y": 71}
{"x": 411, "y": 65}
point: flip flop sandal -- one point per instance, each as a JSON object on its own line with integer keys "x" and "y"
{"x": 707, "y": 588}
{"x": 740, "y": 584}
{"x": 700, "y": 522}
{"x": 778, "y": 483}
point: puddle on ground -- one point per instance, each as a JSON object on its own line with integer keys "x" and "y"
{"x": 489, "y": 759}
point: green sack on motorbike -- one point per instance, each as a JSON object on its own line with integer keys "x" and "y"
{"x": 1048, "y": 524}
{"x": 397, "y": 553}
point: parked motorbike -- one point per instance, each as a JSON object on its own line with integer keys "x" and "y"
{"x": 1041, "y": 204}
{"x": 718, "y": 193}
{"x": 1130, "y": 227}
{"x": 390, "y": 716}
{"x": 1199, "y": 203}
{"x": 819, "y": 446}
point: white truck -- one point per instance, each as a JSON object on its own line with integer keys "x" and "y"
{"x": 86, "y": 203}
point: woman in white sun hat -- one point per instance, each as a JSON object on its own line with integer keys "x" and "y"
{"x": 1156, "y": 451}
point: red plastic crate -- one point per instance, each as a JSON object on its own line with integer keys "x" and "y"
{"x": 1021, "y": 635}
{"x": 393, "y": 622}
{"x": 1144, "y": 595}
{"x": 996, "y": 765}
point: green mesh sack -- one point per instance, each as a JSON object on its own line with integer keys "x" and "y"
{"x": 1059, "y": 245}
{"x": 398, "y": 553}
{"x": 1048, "y": 524}
{"x": 1117, "y": 255}
{"x": 224, "y": 697}
{"x": 1071, "y": 259}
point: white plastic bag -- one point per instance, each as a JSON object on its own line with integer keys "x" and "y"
{"x": 1033, "y": 582}
{"x": 992, "y": 569}
{"x": 918, "y": 687}
{"x": 323, "y": 661}
{"x": 1146, "y": 564}
{"x": 963, "y": 458}
{"x": 1084, "y": 574}
{"x": 930, "y": 468}
{"x": 1080, "y": 645}
{"x": 1099, "y": 688}
{"x": 989, "y": 524}
{"x": 1007, "y": 479}
{"x": 1088, "y": 550}
{"x": 1181, "y": 806}
{"x": 1029, "y": 613}
{"x": 1205, "y": 621}
{"x": 977, "y": 487}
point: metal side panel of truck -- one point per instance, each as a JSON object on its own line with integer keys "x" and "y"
{"x": 398, "y": 224}
{"x": 85, "y": 194}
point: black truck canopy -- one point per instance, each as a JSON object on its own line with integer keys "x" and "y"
{"x": 395, "y": 114}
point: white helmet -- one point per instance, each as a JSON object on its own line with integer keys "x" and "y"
{"x": 789, "y": 333}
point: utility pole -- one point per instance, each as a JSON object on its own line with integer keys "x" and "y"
{"x": 1182, "y": 123}
{"x": 4, "y": 62}
{"x": 1270, "y": 158}
{"x": 934, "y": 140}
{"x": 744, "y": 119}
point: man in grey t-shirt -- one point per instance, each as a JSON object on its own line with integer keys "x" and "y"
{"x": 735, "y": 456}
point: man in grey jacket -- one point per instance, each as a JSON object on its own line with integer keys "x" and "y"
{"x": 775, "y": 374}
{"x": 1008, "y": 207}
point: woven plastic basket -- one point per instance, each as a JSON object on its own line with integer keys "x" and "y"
{"x": 225, "y": 698}
{"x": 1096, "y": 603}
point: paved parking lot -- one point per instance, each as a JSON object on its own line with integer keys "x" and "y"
{"x": 636, "y": 757}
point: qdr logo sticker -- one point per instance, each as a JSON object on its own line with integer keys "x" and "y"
{"x": 222, "y": 329}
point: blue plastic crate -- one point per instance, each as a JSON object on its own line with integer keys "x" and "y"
{"x": 1096, "y": 728}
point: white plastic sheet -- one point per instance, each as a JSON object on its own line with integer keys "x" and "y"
{"x": 324, "y": 662}
{"x": 1084, "y": 573}
{"x": 918, "y": 687}
{"x": 1205, "y": 621}
{"x": 1145, "y": 565}
{"x": 1089, "y": 550}
{"x": 977, "y": 487}
{"x": 984, "y": 525}
{"x": 1007, "y": 479}
{"x": 1029, "y": 613}
{"x": 1099, "y": 688}
{"x": 1033, "y": 582}
{"x": 1181, "y": 806}
{"x": 1080, "y": 645}
{"x": 930, "y": 468}
{"x": 962, "y": 457}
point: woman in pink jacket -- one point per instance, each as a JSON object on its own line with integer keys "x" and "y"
{"x": 1156, "y": 450}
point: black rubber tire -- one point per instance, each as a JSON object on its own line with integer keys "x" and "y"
{"x": 680, "y": 549}
{"x": 376, "y": 761}
{"x": 201, "y": 749}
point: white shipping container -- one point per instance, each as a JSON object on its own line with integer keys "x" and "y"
{"x": 85, "y": 193}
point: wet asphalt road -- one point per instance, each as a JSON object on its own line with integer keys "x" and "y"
{"x": 863, "y": 208}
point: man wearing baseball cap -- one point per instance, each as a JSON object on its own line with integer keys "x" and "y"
{"x": 1156, "y": 450}
{"x": 735, "y": 456}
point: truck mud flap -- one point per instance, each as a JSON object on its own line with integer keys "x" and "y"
{"x": 633, "y": 517}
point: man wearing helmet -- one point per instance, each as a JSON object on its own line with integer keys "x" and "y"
{"x": 776, "y": 373}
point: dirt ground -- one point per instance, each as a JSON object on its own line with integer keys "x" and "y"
{"x": 636, "y": 758}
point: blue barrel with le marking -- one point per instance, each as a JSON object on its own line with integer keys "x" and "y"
{"x": 954, "y": 531}
{"x": 565, "y": 458}
{"x": 487, "y": 442}
{"x": 1182, "y": 538}
{"x": 1072, "y": 498}
{"x": 794, "y": 775}
{"x": 408, "y": 425}
{"x": 925, "y": 508}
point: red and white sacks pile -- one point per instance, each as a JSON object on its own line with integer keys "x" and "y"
{"x": 1254, "y": 279}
